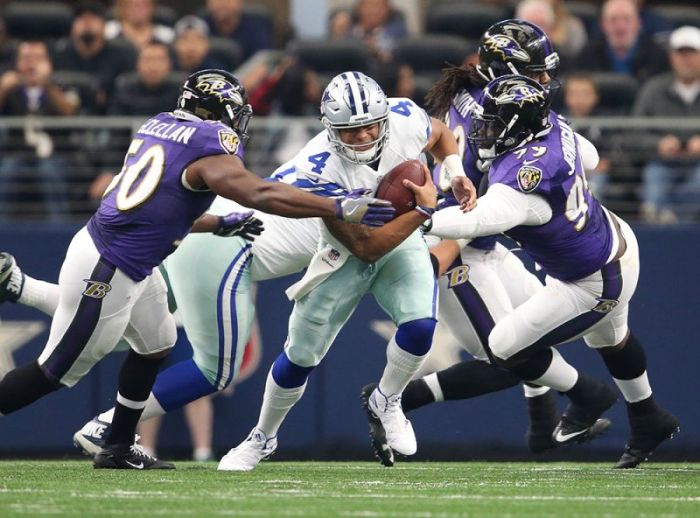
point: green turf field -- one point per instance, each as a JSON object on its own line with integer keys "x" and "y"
{"x": 425, "y": 490}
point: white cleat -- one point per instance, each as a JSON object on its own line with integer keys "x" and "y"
{"x": 92, "y": 436}
{"x": 399, "y": 432}
{"x": 249, "y": 453}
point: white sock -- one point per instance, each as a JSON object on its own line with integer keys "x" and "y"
{"x": 40, "y": 295}
{"x": 152, "y": 409}
{"x": 277, "y": 402}
{"x": 636, "y": 389}
{"x": 400, "y": 368}
{"x": 560, "y": 375}
{"x": 202, "y": 454}
{"x": 434, "y": 385}
{"x": 534, "y": 391}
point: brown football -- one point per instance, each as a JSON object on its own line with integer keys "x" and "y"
{"x": 391, "y": 187}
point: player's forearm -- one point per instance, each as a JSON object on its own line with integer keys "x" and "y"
{"x": 290, "y": 202}
{"x": 370, "y": 245}
{"x": 499, "y": 210}
{"x": 442, "y": 142}
{"x": 205, "y": 223}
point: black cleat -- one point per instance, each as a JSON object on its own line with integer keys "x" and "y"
{"x": 382, "y": 450}
{"x": 544, "y": 416}
{"x": 648, "y": 432}
{"x": 11, "y": 279}
{"x": 581, "y": 422}
{"x": 127, "y": 456}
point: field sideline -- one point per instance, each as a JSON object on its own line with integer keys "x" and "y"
{"x": 363, "y": 489}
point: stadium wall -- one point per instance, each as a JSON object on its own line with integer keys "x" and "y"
{"x": 329, "y": 422}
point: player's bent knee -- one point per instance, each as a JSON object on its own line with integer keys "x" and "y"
{"x": 416, "y": 336}
{"x": 503, "y": 341}
{"x": 287, "y": 373}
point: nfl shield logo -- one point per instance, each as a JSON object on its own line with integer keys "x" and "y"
{"x": 333, "y": 255}
{"x": 229, "y": 141}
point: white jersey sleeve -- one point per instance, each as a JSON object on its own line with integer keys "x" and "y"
{"x": 286, "y": 246}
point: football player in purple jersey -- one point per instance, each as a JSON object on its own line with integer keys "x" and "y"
{"x": 109, "y": 285}
{"x": 481, "y": 281}
{"x": 538, "y": 196}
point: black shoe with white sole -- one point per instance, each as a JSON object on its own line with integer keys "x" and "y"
{"x": 127, "y": 456}
{"x": 581, "y": 421}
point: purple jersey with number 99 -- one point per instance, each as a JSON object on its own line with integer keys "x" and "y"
{"x": 577, "y": 240}
{"x": 149, "y": 207}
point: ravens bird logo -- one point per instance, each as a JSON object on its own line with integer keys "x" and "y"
{"x": 520, "y": 94}
{"x": 506, "y": 47}
{"x": 217, "y": 86}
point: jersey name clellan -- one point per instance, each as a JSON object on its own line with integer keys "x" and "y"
{"x": 175, "y": 132}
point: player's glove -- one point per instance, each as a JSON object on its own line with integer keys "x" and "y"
{"x": 356, "y": 207}
{"x": 241, "y": 224}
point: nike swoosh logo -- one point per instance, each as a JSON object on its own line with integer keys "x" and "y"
{"x": 529, "y": 162}
{"x": 137, "y": 466}
{"x": 352, "y": 211}
{"x": 563, "y": 437}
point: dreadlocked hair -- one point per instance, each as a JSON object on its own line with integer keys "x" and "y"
{"x": 453, "y": 80}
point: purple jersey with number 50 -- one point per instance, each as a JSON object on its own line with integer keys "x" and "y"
{"x": 149, "y": 207}
{"x": 577, "y": 240}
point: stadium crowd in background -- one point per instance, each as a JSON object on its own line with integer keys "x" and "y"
{"x": 128, "y": 57}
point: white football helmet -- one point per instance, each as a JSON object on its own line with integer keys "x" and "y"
{"x": 352, "y": 100}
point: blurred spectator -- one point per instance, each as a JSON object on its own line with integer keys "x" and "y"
{"x": 150, "y": 90}
{"x": 652, "y": 22}
{"x": 566, "y": 31}
{"x": 298, "y": 91}
{"x": 134, "y": 22}
{"x": 373, "y": 21}
{"x": 192, "y": 49}
{"x": 29, "y": 90}
{"x": 227, "y": 19}
{"x": 622, "y": 47}
{"x": 581, "y": 99}
{"x": 7, "y": 48}
{"x": 87, "y": 50}
{"x": 674, "y": 176}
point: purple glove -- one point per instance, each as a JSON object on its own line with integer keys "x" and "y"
{"x": 356, "y": 207}
{"x": 241, "y": 224}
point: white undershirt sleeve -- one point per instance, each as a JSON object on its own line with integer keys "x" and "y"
{"x": 588, "y": 152}
{"x": 500, "y": 209}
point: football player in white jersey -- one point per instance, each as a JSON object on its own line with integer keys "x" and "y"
{"x": 366, "y": 136}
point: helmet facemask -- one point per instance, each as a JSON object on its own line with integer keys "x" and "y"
{"x": 353, "y": 100}
{"x": 515, "y": 110}
{"x": 351, "y": 151}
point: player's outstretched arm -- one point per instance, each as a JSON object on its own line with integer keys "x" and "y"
{"x": 241, "y": 224}
{"x": 226, "y": 176}
{"x": 444, "y": 148}
{"x": 371, "y": 244}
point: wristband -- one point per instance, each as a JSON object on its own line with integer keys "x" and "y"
{"x": 425, "y": 211}
{"x": 453, "y": 166}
